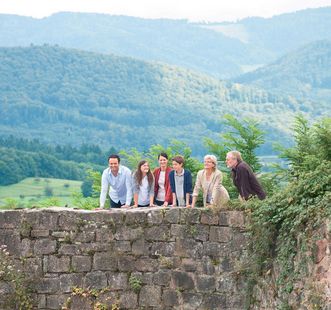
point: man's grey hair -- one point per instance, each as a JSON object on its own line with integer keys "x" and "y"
{"x": 235, "y": 155}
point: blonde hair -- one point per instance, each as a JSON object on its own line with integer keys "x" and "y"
{"x": 212, "y": 158}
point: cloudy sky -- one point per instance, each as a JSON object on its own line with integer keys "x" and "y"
{"x": 194, "y": 10}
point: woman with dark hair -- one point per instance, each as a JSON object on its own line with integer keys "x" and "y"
{"x": 143, "y": 185}
{"x": 180, "y": 183}
{"x": 162, "y": 190}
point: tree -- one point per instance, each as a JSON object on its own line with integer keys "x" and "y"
{"x": 243, "y": 136}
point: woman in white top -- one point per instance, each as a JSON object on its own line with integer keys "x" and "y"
{"x": 143, "y": 186}
{"x": 209, "y": 180}
{"x": 162, "y": 189}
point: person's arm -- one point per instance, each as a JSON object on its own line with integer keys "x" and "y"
{"x": 104, "y": 189}
{"x": 197, "y": 187}
{"x": 128, "y": 184}
{"x": 217, "y": 187}
{"x": 151, "y": 194}
{"x": 243, "y": 182}
{"x": 135, "y": 189}
{"x": 188, "y": 200}
{"x": 135, "y": 199}
{"x": 168, "y": 196}
{"x": 189, "y": 189}
{"x": 174, "y": 200}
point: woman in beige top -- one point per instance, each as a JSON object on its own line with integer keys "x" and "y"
{"x": 210, "y": 181}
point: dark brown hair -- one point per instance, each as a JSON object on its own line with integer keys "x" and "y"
{"x": 139, "y": 175}
{"x": 179, "y": 159}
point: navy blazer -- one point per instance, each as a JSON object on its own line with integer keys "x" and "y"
{"x": 187, "y": 183}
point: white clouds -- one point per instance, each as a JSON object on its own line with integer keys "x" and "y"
{"x": 197, "y": 10}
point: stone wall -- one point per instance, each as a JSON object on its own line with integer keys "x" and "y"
{"x": 156, "y": 258}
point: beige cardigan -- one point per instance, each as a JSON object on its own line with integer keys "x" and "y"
{"x": 219, "y": 195}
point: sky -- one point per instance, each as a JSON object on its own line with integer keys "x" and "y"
{"x": 193, "y": 10}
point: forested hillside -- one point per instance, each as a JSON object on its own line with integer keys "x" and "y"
{"x": 222, "y": 50}
{"x": 67, "y": 96}
{"x": 304, "y": 74}
{"x": 281, "y": 34}
{"x": 21, "y": 158}
{"x": 175, "y": 42}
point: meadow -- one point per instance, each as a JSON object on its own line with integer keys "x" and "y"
{"x": 34, "y": 192}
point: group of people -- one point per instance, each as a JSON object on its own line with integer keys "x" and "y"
{"x": 167, "y": 186}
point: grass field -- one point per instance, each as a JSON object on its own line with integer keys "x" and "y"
{"x": 30, "y": 191}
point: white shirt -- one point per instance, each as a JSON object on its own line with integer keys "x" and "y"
{"x": 120, "y": 187}
{"x": 161, "y": 191}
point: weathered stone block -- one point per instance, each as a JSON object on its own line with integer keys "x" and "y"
{"x": 44, "y": 247}
{"x": 207, "y": 265}
{"x": 26, "y": 247}
{"x": 122, "y": 246}
{"x": 154, "y": 217}
{"x": 172, "y": 215}
{"x": 170, "y": 298}
{"x": 162, "y": 278}
{"x": 220, "y": 234}
{"x": 117, "y": 281}
{"x": 206, "y": 284}
{"x": 136, "y": 217}
{"x": 68, "y": 281}
{"x": 36, "y": 233}
{"x": 215, "y": 249}
{"x": 93, "y": 247}
{"x": 129, "y": 300}
{"x": 104, "y": 235}
{"x": 150, "y": 296}
{"x": 146, "y": 264}
{"x": 104, "y": 261}
{"x": 56, "y": 264}
{"x": 33, "y": 266}
{"x": 81, "y": 303}
{"x": 81, "y": 263}
{"x": 126, "y": 263}
{"x": 236, "y": 219}
{"x": 189, "y": 264}
{"x": 209, "y": 218}
{"x": 192, "y": 301}
{"x": 163, "y": 248}
{"x": 226, "y": 284}
{"x": 10, "y": 219}
{"x": 190, "y": 216}
{"x": 182, "y": 280}
{"x": 85, "y": 236}
{"x": 41, "y": 219}
{"x": 11, "y": 239}
{"x": 69, "y": 249}
{"x": 188, "y": 248}
{"x": 200, "y": 232}
{"x": 48, "y": 285}
{"x": 140, "y": 247}
{"x": 157, "y": 233}
{"x": 55, "y": 301}
{"x": 214, "y": 301}
{"x": 224, "y": 218}
{"x": 95, "y": 280}
{"x": 239, "y": 241}
{"x": 128, "y": 233}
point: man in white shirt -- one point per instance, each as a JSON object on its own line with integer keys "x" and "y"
{"x": 118, "y": 179}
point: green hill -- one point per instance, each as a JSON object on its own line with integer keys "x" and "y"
{"x": 304, "y": 74}
{"x": 223, "y": 50}
{"x": 72, "y": 97}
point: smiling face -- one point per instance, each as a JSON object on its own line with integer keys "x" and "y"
{"x": 144, "y": 168}
{"x": 163, "y": 162}
{"x": 177, "y": 166}
{"x": 113, "y": 165}
{"x": 208, "y": 164}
